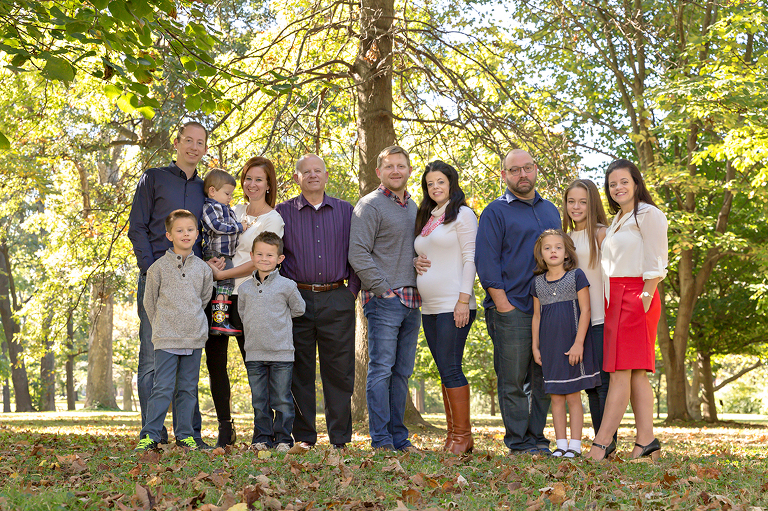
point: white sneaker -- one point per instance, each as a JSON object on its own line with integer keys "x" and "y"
{"x": 283, "y": 447}
{"x": 260, "y": 446}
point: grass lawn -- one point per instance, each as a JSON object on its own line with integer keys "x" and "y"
{"x": 84, "y": 460}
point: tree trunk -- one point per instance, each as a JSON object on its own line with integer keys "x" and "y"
{"x": 48, "y": 380}
{"x": 413, "y": 417}
{"x": 710, "y": 408}
{"x": 70, "y": 365}
{"x": 6, "y": 386}
{"x": 359, "y": 403}
{"x": 372, "y": 73}
{"x": 419, "y": 398}
{"x": 8, "y": 306}
{"x": 693, "y": 389}
{"x": 127, "y": 390}
{"x": 99, "y": 390}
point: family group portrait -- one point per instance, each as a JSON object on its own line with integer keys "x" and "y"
{"x": 381, "y": 255}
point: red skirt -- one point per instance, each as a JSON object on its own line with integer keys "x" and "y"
{"x": 629, "y": 340}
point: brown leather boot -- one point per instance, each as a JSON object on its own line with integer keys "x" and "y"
{"x": 448, "y": 420}
{"x": 462, "y": 428}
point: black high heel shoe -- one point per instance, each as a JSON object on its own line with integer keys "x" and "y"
{"x": 653, "y": 450}
{"x": 608, "y": 450}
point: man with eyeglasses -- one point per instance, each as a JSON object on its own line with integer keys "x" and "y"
{"x": 506, "y": 235}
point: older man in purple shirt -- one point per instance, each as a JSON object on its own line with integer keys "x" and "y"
{"x": 316, "y": 246}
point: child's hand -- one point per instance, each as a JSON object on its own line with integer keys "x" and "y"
{"x": 245, "y": 225}
{"x": 537, "y": 355}
{"x": 575, "y": 354}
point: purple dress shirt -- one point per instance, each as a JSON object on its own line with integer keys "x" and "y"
{"x": 317, "y": 241}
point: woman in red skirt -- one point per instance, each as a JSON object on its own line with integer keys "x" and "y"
{"x": 634, "y": 260}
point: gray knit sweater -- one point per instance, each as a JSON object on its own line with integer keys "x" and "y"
{"x": 266, "y": 309}
{"x": 175, "y": 297}
{"x": 381, "y": 243}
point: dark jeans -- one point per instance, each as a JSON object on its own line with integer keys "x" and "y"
{"x": 446, "y": 342}
{"x": 271, "y": 390}
{"x": 328, "y": 328}
{"x": 145, "y": 372}
{"x": 522, "y": 401}
{"x": 597, "y": 395}
{"x": 174, "y": 375}
{"x": 216, "y": 361}
{"x": 393, "y": 332}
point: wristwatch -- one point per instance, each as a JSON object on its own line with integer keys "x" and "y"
{"x": 646, "y": 294}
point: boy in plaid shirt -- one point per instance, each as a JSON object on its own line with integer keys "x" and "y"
{"x": 220, "y": 231}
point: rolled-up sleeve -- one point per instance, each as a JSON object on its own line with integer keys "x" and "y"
{"x": 653, "y": 228}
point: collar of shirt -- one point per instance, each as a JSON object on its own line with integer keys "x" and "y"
{"x": 392, "y": 195}
{"x": 269, "y": 277}
{"x": 181, "y": 173}
{"x": 509, "y": 197}
{"x": 302, "y": 201}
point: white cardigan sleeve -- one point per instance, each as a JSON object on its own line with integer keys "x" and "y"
{"x": 466, "y": 230}
{"x": 653, "y": 228}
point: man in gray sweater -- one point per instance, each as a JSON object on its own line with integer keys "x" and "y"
{"x": 381, "y": 253}
{"x": 179, "y": 286}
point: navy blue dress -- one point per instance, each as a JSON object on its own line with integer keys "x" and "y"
{"x": 560, "y": 313}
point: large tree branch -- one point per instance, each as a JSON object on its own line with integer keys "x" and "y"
{"x": 739, "y": 374}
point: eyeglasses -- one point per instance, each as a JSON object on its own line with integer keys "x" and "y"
{"x": 528, "y": 168}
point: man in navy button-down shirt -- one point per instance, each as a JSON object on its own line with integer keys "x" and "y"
{"x": 506, "y": 235}
{"x": 159, "y": 192}
{"x": 316, "y": 241}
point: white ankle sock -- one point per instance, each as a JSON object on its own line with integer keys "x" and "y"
{"x": 573, "y": 445}
{"x": 562, "y": 443}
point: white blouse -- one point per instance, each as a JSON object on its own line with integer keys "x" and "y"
{"x": 271, "y": 221}
{"x": 636, "y": 249}
{"x": 451, "y": 250}
{"x": 594, "y": 275}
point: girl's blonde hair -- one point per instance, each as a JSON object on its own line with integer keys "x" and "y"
{"x": 571, "y": 261}
{"x": 596, "y": 217}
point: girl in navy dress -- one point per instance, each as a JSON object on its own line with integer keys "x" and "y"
{"x": 562, "y": 343}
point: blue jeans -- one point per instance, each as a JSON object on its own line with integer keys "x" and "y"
{"x": 174, "y": 374}
{"x": 145, "y": 376}
{"x": 446, "y": 342}
{"x": 520, "y": 383}
{"x": 393, "y": 332}
{"x": 270, "y": 384}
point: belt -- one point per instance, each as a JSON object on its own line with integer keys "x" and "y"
{"x": 319, "y": 288}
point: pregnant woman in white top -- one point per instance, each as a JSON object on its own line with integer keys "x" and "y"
{"x": 445, "y": 236}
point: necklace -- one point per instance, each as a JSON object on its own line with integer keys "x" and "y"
{"x": 260, "y": 210}
{"x": 553, "y": 289}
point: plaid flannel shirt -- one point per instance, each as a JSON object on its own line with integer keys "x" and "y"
{"x": 220, "y": 228}
{"x": 409, "y": 296}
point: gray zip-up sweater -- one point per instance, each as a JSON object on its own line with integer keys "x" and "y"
{"x": 381, "y": 243}
{"x": 266, "y": 310}
{"x": 175, "y": 297}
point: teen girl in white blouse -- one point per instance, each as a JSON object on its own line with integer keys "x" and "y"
{"x": 585, "y": 221}
{"x": 445, "y": 236}
{"x": 634, "y": 260}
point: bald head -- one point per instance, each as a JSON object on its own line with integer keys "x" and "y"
{"x": 311, "y": 176}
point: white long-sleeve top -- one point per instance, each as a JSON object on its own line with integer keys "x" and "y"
{"x": 636, "y": 249}
{"x": 451, "y": 250}
{"x": 594, "y": 274}
{"x": 271, "y": 221}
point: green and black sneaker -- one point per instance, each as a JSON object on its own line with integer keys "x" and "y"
{"x": 146, "y": 444}
{"x": 188, "y": 442}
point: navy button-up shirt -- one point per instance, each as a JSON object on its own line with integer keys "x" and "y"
{"x": 317, "y": 241}
{"x": 506, "y": 234}
{"x": 160, "y": 191}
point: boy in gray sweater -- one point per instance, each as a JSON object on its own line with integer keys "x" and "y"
{"x": 267, "y": 303}
{"x": 179, "y": 286}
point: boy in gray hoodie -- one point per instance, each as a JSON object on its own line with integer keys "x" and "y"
{"x": 179, "y": 286}
{"x": 267, "y": 303}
